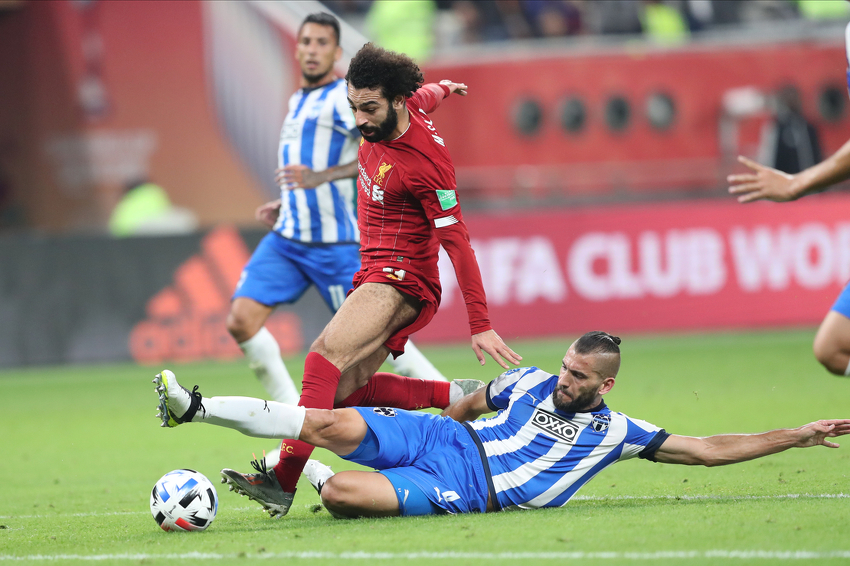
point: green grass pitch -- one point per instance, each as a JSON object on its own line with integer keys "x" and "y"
{"x": 81, "y": 450}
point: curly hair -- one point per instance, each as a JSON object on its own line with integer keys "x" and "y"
{"x": 395, "y": 73}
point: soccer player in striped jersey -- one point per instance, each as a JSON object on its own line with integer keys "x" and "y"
{"x": 314, "y": 239}
{"x": 552, "y": 434}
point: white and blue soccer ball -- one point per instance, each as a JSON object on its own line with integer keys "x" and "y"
{"x": 184, "y": 500}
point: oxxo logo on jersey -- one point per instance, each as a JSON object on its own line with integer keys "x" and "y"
{"x": 554, "y": 425}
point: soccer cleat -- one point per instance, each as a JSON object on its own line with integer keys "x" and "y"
{"x": 261, "y": 487}
{"x": 462, "y": 387}
{"x": 177, "y": 405}
{"x": 317, "y": 473}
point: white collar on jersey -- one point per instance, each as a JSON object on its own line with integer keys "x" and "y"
{"x": 401, "y": 134}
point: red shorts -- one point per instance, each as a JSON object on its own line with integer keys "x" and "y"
{"x": 427, "y": 290}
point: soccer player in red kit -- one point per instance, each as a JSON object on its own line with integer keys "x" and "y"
{"x": 407, "y": 208}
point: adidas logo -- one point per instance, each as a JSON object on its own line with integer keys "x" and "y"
{"x": 186, "y": 321}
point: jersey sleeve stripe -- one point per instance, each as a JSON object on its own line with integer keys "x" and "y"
{"x": 445, "y": 221}
{"x": 489, "y": 399}
{"x": 648, "y": 453}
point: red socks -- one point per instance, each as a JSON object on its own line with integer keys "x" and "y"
{"x": 390, "y": 390}
{"x": 321, "y": 379}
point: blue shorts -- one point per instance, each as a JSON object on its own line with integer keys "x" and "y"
{"x": 842, "y": 303}
{"x": 280, "y": 270}
{"x": 432, "y": 461}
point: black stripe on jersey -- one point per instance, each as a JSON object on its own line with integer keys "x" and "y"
{"x": 490, "y": 399}
{"x": 491, "y": 489}
{"x": 648, "y": 453}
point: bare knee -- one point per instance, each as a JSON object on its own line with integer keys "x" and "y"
{"x": 319, "y": 426}
{"x": 830, "y": 355}
{"x": 243, "y": 323}
{"x": 832, "y": 342}
{"x": 339, "y": 496}
{"x": 236, "y": 327}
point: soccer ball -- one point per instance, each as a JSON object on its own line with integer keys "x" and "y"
{"x": 184, "y": 500}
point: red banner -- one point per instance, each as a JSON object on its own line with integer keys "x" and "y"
{"x": 695, "y": 265}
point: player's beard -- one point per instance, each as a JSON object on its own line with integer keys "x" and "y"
{"x": 382, "y": 131}
{"x": 577, "y": 405}
{"x": 313, "y": 79}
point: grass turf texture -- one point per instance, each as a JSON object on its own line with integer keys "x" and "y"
{"x": 81, "y": 450}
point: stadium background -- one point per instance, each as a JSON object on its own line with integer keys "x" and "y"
{"x": 591, "y": 156}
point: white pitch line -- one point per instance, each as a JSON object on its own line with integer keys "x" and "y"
{"x": 719, "y": 498}
{"x": 107, "y": 514}
{"x": 711, "y": 497}
{"x": 659, "y": 555}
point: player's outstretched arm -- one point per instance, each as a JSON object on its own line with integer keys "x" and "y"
{"x": 766, "y": 183}
{"x": 724, "y": 449}
{"x": 267, "y": 213}
{"x": 490, "y": 342}
{"x": 469, "y": 407}
{"x": 302, "y": 177}
{"x": 455, "y": 240}
{"x": 454, "y": 87}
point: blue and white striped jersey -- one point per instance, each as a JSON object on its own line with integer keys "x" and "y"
{"x": 539, "y": 456}
{"x": 319, "y": 132}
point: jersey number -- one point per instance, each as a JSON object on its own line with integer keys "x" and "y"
{"x": 446, "y": 495}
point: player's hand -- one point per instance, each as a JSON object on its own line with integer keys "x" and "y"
{"x": 766, "y": 183}
{"x": 490, "y": 342}
{"x": 459, "y": 88}
{"x": 297, "y": 177}
{"x": 816, "y": 433}
{"x": 267, "y": 213}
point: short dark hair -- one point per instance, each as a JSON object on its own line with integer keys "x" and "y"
{"x": 598, "y": 342}
{"x": 323, "y": 19}
{"x": 395, "y": 73}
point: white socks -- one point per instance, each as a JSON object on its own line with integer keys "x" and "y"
{"x": 847, "y": 371}
{"x": 253, "y": 417}
{"x": 263, "y": 353}
{"x": 412, "y": 363}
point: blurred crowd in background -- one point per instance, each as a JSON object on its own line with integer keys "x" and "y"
{"x": 423, "y": 28}
{"x": 592, "y": 158}
{"x": 93, "y": 113}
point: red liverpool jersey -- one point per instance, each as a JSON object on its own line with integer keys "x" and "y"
{"x": 407, "y": 205}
